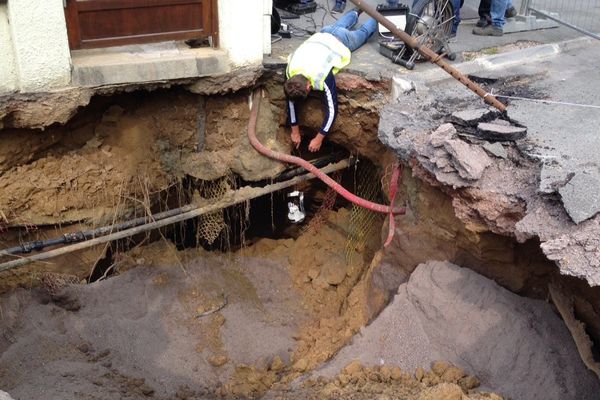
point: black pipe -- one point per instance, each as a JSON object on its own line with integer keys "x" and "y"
{"x": 81, "y": 236}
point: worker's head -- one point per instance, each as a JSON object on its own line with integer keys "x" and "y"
{"x": 297, "y": 87}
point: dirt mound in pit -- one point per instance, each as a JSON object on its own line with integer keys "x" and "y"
{"x": 518, "y": 347}
{"x": 151, "y": 331}
{"x": 443, "y": 382}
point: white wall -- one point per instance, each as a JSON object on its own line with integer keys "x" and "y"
{"x": 41, "y": 48}
{"x": 242, "y": 30}
{"x": 8, "y": 75}
{"x": 34, "y": 49}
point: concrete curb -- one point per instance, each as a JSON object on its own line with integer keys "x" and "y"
{"x": 503, "y": 60}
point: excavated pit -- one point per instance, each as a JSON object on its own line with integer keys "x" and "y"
{"x": 242, "y": 303}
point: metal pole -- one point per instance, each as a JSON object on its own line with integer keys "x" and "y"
{"x": 430, "y": 55}
{"x": 525, "y": 5}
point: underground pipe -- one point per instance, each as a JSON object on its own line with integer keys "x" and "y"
{"x": 230, "y": 198}
{"x": 75, "y": 237}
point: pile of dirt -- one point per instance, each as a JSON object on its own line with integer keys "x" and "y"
{"x": 517, "y": 347}
{"x": 355, "y": 381}
{"x": 196, "y": 325}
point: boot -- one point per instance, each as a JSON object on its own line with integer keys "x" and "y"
{"x": 484, "y": 21}
{"x": 339, "y": 7}
{"x": 510, "y": 12}
{"x": 490, "y": 30}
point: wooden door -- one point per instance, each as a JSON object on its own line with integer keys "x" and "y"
{"x": 102, "y": 23}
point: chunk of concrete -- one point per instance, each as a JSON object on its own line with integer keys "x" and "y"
{"x": 401, "y": 86}
{"x": 579, "y": 196}
{"x": 496, "y": 132}
{"x": 470, "y": 161}
{"x": 495, "y": 149}
{"x": 472, "y": 117}
{"x": 442, "y": 134}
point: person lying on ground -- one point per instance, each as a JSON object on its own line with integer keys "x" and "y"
{"x": 313, "y": 65}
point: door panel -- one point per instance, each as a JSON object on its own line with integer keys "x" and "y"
{"x": 101, "y": 23}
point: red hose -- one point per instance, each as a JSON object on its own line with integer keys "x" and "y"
{"x": 311, "y": 168}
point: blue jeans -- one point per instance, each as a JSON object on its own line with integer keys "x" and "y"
{"x": 456, "y": 21}
{"x": 393, "y": 2}
{"x": 352, "y": 39}
{"x": 497, "y": 11}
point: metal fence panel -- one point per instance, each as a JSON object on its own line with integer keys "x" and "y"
{"x": 581, "y": 15}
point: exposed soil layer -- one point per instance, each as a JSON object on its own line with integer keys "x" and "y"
{"x": 202, "y": 325}
{"x": 283, "y": 318}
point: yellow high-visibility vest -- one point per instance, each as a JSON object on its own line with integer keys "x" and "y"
{"x": 318, "y": 55}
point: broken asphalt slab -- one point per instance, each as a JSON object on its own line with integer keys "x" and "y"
{"x": 557, "y": 160}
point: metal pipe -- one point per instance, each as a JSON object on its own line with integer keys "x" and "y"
{"x": 230, "y": 198}
{"x": 80, "y": 236}
{"x": 430, "y": 55}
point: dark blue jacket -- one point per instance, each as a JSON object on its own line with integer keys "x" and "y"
{"x": 330, "y": 103}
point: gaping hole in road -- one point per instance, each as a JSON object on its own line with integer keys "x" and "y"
{"x": 240, "y": 301}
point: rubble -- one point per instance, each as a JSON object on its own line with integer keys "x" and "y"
{"x": 495, "y": 131}
{"x": 576, "y": 197}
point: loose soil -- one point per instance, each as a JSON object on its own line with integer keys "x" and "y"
{"x": 194, "y": 324}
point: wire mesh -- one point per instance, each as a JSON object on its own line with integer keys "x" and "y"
{"x": 363, "y": 222}
{"x": 322, "y": 213}
{"x": 582, "y": 15}
{"x": 54, "y": 282}
{"x": 212, "y": 224}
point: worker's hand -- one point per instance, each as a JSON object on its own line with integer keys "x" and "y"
{"x": 296, "y": 136}
{"x": 315, "y": 144}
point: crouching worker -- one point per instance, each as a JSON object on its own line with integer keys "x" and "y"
{"x": 313, "y": 67}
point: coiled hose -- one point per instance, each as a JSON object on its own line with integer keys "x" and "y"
{"x": 314, "y": 170}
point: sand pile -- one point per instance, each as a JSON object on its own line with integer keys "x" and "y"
{"x": 517, "y": 347}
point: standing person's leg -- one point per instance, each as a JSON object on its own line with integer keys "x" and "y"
{"x": 484, "y": 13}
{"x": 511, "y": 11}
{"x": 497, "y": 26}
{"x": 497, "y": 12}
{"x": 393, "y": 3}
{"x": 456, "y": 21}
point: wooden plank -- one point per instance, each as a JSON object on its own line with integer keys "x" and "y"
{"x": 102, "y": 23}
{"x": 140, "y": 39}
{"x": 129, "y": 22}
{"x": 72, "y": 19}
{"x": 214, "y": 23}
{"x": 96, "y": 5}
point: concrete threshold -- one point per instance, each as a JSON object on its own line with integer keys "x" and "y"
{"x": 145, "y": 63}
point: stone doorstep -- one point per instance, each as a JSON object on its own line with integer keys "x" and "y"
{"x": 136, "y": 64}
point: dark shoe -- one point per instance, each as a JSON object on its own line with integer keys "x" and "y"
{"x": 510, "y": 12}
{"x": 483, "y": 22}
{"x": 339, "y": 7}
{"x": 490, "y": 30}
{"x": 358, "y": 10}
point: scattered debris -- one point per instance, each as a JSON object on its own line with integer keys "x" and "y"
{"x": 580, "y": 197}
{"x": 496, "y": 131}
